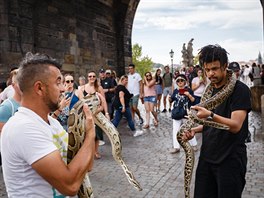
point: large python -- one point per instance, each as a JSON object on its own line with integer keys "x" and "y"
{"x": 77, "y": 133}
{"x": 209, "y": 102}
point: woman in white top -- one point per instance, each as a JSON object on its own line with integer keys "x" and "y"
{"x": 198, "y": 85}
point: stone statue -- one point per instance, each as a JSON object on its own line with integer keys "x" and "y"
{"x": 187, "y": 54}
{"x": 184, "y": 53}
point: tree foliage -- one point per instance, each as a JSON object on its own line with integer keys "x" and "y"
{"x": 143, "y": 64}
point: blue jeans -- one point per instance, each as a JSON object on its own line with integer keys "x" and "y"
{"x": 127, "y": 114}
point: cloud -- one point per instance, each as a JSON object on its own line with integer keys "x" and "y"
{"x": 185, "y": 15}
{"x": 162, "y": 25}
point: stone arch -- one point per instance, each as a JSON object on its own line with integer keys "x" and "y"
{"x": 82, "y": 34}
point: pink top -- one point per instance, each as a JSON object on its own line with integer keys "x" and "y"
{"x": 149, "y": 91}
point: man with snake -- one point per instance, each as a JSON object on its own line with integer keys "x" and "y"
{"x": 34, "y": 145}
{"x": 223, "y": 158}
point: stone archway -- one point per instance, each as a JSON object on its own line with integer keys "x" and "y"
{"x": 83, "y": 35}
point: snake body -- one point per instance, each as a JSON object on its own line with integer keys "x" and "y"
{"x": 77, "y": 134}
{"x": 209, "y": 102}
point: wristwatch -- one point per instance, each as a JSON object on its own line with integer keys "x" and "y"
{"x": 211, "y": 116}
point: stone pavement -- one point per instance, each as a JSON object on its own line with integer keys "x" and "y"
{"x": 159, "y": 172}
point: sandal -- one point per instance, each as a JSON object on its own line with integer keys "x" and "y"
{"x": 97, "y": 155}
{"x": 156, "y": 123}
{"x": 146, "y": 126}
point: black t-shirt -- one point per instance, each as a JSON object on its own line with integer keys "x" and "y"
{"x": 116, "y": 103}
{"x": 218, "y": 144}
{"x": 108, "y": 83}
{"x": 158, "y": 80}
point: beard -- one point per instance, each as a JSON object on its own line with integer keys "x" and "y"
{"x": 53, "y": 106}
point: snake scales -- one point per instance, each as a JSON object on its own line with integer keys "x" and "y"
{"x": 77, "y": 134}
{"x": 209, "y": 102}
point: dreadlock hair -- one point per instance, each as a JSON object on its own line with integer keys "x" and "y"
{"x": 211, "y": 53}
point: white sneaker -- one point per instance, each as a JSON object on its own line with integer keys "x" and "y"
{"x": 101, "y": 142}
{"x": 138, "y": 133}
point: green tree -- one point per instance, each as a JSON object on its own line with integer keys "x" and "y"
{"x": 143, "y": 64}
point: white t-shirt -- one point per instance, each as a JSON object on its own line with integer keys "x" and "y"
{"x": 133, "y": 83}
{"x": 26, "y": 138}
{"x": 199, "y": 91}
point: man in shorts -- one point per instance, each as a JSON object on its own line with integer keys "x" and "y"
{"x": 134, "y": 86}
{"x": 167, "y": 83}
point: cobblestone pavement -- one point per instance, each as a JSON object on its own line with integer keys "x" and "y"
{"x": 159, "y": 172}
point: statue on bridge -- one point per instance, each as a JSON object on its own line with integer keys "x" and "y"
{"x": 187, "y": 54}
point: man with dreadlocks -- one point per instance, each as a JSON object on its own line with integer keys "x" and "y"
{"x": 223, "y": 158}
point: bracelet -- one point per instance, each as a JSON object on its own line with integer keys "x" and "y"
{"x": 55, "y": 114}
{"x": 59, "y": 110}
{"x": 107, "y": 113}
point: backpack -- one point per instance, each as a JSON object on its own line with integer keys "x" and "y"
{"x": 179, "y": 109}
{"x": 165, "y": 74}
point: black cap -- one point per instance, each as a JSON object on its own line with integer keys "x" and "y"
{"x": 234, "y": 66}
{"x": 102, "y": 70}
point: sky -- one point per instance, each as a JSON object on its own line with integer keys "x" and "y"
{"x": 162, "y": 25}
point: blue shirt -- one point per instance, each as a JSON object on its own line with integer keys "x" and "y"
{"x": 7, "y": 109}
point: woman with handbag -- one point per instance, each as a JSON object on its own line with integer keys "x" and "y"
{"x": 121, "y": 105}
{"x": 183, "y": 99}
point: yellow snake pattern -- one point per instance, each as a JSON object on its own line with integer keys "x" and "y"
{"x": 77, "y": 134}
{"x": 209, "y": 102}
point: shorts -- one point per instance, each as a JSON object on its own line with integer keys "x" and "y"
{"x": 158, "y": 89}
{"x": 134, "y": 101}
{"x": 151, "y": 99}
{"x": 166, "y": 91}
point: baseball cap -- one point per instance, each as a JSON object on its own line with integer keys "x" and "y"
{"x": 108, "y": 71}
{"x": 102, "y": 70}
{"x": 234, "y": 66}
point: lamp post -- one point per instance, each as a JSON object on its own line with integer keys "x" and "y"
{"x": 171, "y": 55}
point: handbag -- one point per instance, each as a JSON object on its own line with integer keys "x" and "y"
{"x": 179, "y": 111}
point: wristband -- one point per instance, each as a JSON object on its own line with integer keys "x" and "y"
{"x": 107, "y": 113}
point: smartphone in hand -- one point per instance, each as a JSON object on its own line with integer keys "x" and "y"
{"x": 181, "y": 91}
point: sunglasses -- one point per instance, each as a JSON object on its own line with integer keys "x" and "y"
{"x": 69, "y": 81}
{"x": 91, "y": 76}
{"x": 180, "y": 80}
{"x": 148, "y": 75}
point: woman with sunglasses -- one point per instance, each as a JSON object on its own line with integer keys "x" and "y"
{"x": 93, "y": 87}
{"x": 150, "y": 98}
{"x": 182, "y": 96}
{"x": 68, "y": 100}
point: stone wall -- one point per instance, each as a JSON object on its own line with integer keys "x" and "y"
{"x": 83, "y": 34}
{"x": 256, "y": 93}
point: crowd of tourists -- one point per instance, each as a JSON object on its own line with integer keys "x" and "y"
{"x": 49, "y": 96}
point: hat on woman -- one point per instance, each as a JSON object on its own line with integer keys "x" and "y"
{"x": 181, "y": 76}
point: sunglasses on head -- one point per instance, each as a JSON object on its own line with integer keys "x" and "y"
{"x": 69, "y": 81}
{"x": 180, "y": 80}
{"x": 91, "y": 76}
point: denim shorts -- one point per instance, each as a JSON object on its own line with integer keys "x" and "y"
{"x": 151, "y": 99}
